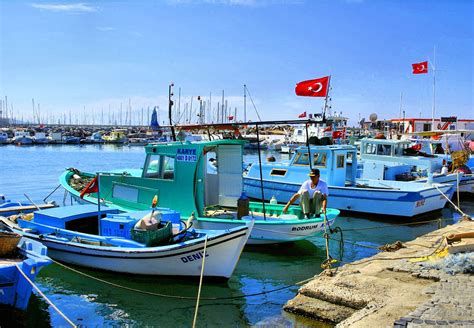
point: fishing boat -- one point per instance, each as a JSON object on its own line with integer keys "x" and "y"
{"x": 117, "y": 136}
{"x": 19, "y": 257}
{"x": 8, "y": 207}
{"x": 22, "y": 138}
{"x": 96, "y": 138}
{"x": 4, "y": 138}
{"x": 71, "y": 140}
{"x": 346, "y": 191}
{"x": 381, "y": 157}
{"x": 40, "y": 138}
{"x": 76, "y": 235}
{"x": 180, "y": 174}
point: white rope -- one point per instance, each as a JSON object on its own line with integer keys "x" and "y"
{"x": 449, "y": 200}
{"x": 45, "y": 297}
{"x": 200, "y": 283}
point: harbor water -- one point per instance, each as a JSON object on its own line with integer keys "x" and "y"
{"x": 265, "y": 279}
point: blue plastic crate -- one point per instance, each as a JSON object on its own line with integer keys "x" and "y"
{"x": 117, "y": 226}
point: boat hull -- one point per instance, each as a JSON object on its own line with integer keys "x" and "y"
{"x": 273, "y": 230}
{"x": 183, "y": 259}
{"x": 365, "y": 200}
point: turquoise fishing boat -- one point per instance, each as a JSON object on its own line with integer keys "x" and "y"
{"x": 180, "y": 175}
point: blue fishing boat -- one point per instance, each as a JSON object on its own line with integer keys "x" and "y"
{"x": 108, "y": 239}
{"x": 338, "y": 167}
{"x": 19, "y": 257}
{"x": 180, "y": 174}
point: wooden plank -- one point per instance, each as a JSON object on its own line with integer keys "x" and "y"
{"x": 19, "y": 209}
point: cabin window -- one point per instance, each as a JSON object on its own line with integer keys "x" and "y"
{"x": 370, "y": 149}
{"x": 340, "y": 161}
{"x": 278, "y": 172}
{"x": 319, "y": 160}
{"x": 383, "y": 150}
{"x": 399, "y": 151}
{"x": 160, "y": 167}
{"x": 301, "y": 159}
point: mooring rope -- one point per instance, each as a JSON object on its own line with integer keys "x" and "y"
{"x": 200, "y": 282}
{"x": 449, "y": 200}
{"x": 177, "y": 296}
{"x": 45, "y": 297}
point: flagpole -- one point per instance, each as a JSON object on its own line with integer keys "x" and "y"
{"x": 326, "y": 100}
{"x": 99, "y": 214}
{"x": 434, "y": 89}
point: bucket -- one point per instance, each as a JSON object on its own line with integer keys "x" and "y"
{"x": 8, "y": 243}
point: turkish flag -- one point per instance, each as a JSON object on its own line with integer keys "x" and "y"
{"x": 420, "y": 68}
{"x": 313, "y": 88}
{"x": 93, "y": 186}
{"x": 302, "y": 115}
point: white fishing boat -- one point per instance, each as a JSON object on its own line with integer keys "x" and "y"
{"x": 346, "y": 191}
{"x": 386, "y": 159}
{"x": 75, "y": 235}
{"x": 22, "y": 138}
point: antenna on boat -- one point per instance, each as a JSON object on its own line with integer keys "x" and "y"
{"x": 170, "y": 105}
{"x": 434, "y": 89}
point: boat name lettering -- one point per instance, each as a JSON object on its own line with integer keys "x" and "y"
{"x": 311, "y": 227}
{"x": 193, "y": 257}
{"x": 420, "y": 203}
{"x": 186, "y": 155}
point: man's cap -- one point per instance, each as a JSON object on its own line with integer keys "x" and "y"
{"x": 314, "y": 172}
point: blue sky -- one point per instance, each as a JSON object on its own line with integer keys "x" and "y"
{"x": 82, "y": 57}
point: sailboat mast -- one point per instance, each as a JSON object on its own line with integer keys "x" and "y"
{"x": 245, "y": 103}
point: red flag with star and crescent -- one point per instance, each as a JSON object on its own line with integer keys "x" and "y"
{"x": 313, "y": 88}
{"x": 420, "y": 68}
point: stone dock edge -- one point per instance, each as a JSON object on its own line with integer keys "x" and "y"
{"x": 394, "y": 289}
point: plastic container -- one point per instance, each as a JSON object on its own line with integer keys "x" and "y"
{"x": 117, "y": 226}
{"x": 273, "y": 200}
{"x": 153, "y": 238}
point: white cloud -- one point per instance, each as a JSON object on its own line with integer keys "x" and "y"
{"x": 72, "y": 7}
{"x": 106, "y": 28}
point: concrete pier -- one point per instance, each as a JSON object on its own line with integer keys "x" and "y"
{"x": 396, "y": 289}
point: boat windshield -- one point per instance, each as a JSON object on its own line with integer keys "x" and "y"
{"x": 159, "y": 167}
{"x": 319, "y": 160}
{"x": 301, "y": 159}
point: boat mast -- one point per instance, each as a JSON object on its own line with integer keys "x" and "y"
{"x": 326, "y": 99}
{"x": 245, "y": 103}
{"x": 434, "y": 89}
{"x": 170, "y": 105}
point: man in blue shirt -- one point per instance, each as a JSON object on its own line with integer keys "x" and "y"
{"x": 313, "y": 193}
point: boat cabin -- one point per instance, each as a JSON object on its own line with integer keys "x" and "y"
{"x": 337, "y": 164}
{"x": 185, "y": 176}
{"x": 397, "y": 151}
